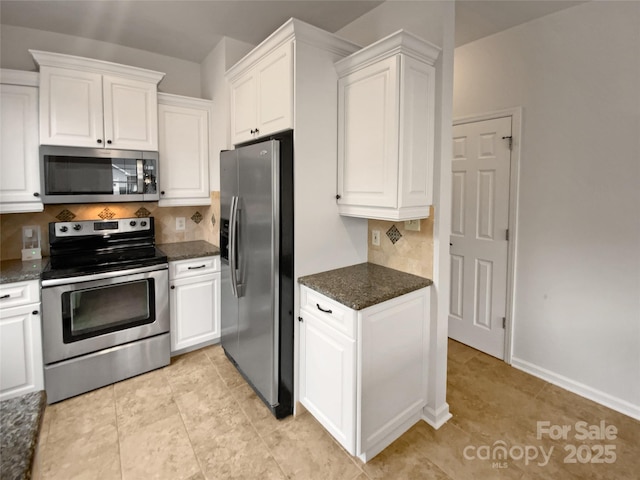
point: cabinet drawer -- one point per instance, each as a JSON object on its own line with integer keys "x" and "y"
{"x": 193, "y": 266}
{"x": 333, "y": 313}
{"x": 20, "y": 293}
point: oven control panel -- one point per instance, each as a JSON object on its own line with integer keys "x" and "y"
{"x": 102, "y": 227}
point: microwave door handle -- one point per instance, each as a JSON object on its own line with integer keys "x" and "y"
{"x": 233, "y": 246}
{"x": 140, "y": 175}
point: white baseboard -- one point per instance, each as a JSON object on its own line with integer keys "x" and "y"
{"x": 436, "y": 417}
{"x": 578, "y": 388}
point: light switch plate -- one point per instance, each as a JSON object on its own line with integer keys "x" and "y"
{"x": 375, "y": 237}
{"x": 180, "y": 223}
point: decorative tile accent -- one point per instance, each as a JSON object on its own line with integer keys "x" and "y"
{"x": 66, "y": 215}
{"x": 213, "y": 220}
{"x": 394, "y": 234}
{"x": 197, "y": 217}
{"x": 142, "y": 213}
{"x": 106, "y": 214}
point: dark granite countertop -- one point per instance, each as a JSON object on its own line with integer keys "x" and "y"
{"x": 20, "y": 420}
{"x": 18, "y": 271}
{"x": 187, "y": 250}
{"x": 363, "y": 285}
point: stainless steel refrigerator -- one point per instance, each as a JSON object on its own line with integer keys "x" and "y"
{"x": 256, "y": 249}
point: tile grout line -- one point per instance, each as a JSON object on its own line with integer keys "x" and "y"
{"x": 184, "y": 425}
{"x": 246, "y": 415}
{"x": 115, "y": 408}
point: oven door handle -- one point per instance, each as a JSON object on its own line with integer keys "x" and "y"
{"x": 101, "y": 276}
{"x": 232, "y": 245}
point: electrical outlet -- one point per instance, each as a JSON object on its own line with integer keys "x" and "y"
{"x": 413, "y": 225}
{"x": 375, "y": 237}
{"x": 180, "y": 223}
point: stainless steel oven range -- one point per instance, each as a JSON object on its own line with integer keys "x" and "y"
{"x": 105, "y": 307}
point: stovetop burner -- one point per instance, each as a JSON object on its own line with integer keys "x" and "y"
{"x": 98, "y": 246}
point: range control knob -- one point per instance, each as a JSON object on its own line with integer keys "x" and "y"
{"x": 64, "y": 228}
{"x": 143, "y": 223}
{"x": 77, "y": 227}
{"x": 133, "y": 223}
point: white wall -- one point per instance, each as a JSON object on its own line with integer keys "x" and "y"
{"x": 182, "y": 77}
{"x": 576, "y": 73}
{"x": 214, "y": 87}
{"x": 433, "y": 21}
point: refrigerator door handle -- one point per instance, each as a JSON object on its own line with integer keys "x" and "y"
{"x": 233, "y": 245}
{"x": 239, "y": 280}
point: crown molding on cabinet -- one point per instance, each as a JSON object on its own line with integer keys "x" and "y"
{"x": 19, "y": 77}
{"x": 182, "y": 101}
{"x": 293, "y": 29}
{"x": 398, "y": 42}
{"x": 50, "y": 59}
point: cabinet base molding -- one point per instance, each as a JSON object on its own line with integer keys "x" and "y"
{"x": 436, "y": 418}
{"x": 192, "y": 348}
{"x": 390, "y": 437}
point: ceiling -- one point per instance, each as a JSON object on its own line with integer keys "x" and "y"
{"x": 189, "y": 29}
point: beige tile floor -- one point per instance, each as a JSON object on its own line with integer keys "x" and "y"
{"x": 197, "y": 419}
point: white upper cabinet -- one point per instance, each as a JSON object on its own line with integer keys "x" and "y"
{"x": 92, "y": 103}
{"x": 19, "y": 171}
{"x": 184, "y": 150}
{"x": 262, "y": 95}
{"x": 386, "y": 129}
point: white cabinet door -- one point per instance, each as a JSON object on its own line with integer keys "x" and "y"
{"x": 243, "y": 108}
{"x": 368, "y": 135}
{"x": 274, "y": 81}
{"x": 130, "y": 114}
{"x": 71, "y": 108}
{"x": 262, "y": 97}
{"x": 386, "y": 102}
{"x": 84, "y": 109}
{"x": 328, "y": 378}
{"x": 19, "y": 170}
{"x": 21, "y": 367}
{"x": 184, "y": 154}
{"x": 195, "y": 310}
{"x": 417, "y": 129}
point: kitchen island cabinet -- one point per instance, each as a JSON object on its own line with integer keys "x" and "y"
{"x": 363, "y": 354}
{"x": 19, "y": 160}
{"x": 93, "y": 103}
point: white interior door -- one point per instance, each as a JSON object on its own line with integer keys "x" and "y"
{"x": 479, "y": 234}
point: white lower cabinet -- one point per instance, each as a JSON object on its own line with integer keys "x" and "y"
{"x": 363, "y": 374}
{"x": 21, "y": 367}
{"x": 194, "y": 302}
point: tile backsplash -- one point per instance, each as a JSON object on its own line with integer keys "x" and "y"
{"x": 201, "y": 222}
{"x": 401, "y": 249}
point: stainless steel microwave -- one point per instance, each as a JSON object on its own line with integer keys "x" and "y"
{"x": 91, "y": 175}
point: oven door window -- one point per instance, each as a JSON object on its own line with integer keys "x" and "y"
{"x": 97, "y": 311}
